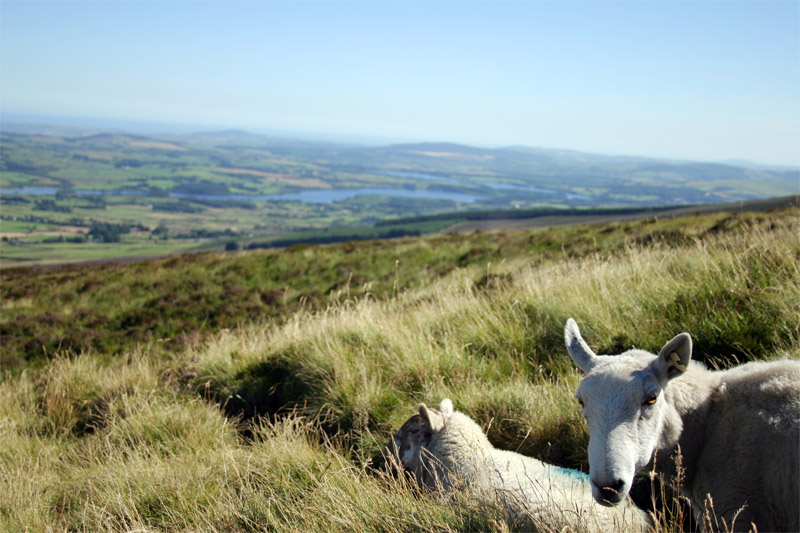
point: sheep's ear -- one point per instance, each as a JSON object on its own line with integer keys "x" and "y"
{"x": 432, "y": 418}
{"x": 673, "y": 359}
{"x": 446, "y": 408}
{"x": 580, "y": 352}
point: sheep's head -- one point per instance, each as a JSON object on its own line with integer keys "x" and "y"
{"x": 623, "y": 403}
{"x": 408, "y": 449}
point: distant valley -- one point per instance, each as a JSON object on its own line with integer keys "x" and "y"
{"x": 72, "y": 194}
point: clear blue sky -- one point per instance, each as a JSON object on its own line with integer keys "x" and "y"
{"x": 709, "y": 80}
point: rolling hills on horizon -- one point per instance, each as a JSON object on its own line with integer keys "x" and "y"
{"x": 242, "y": 137}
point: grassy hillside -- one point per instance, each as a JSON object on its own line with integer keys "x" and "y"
{"x": 276, "y": 425}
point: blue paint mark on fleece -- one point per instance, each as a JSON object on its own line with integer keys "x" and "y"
{"x": 577, "y": 474}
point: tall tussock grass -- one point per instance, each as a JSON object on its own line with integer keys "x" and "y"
{"x": 278, "y": 426}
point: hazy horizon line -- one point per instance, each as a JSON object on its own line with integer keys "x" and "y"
{"x": 150, "y": 127}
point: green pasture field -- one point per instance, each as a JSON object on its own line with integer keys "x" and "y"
{"x": 12, "y": 226}
{"x": 14, "y": 179}
{"x": 41, "y": 253}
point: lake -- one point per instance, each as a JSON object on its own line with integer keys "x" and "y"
{"x": 328, "y": 196}
{"x": 313, "y": 196}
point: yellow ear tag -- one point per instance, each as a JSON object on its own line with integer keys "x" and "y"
{"x": 675, "y": 360}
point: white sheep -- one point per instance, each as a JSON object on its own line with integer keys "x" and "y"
{"x": 737, "y": 431}
{"x": 447, "y": 451}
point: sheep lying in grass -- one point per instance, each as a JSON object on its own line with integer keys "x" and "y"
{"x": 737, "y": 430}
{"x": 447, "y": 451}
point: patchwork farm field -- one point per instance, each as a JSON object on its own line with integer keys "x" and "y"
{"x": 254, "y": 391}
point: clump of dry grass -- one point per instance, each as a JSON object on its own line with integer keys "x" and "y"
{"x": 168, "y": 461}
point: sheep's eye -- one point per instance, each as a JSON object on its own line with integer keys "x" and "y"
{"x": 650, "y": 400}
{"x": 580, "y": 402}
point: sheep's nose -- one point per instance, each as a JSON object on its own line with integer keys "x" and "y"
{"x": 610, "y": 492}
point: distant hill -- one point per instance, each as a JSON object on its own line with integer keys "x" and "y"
{"x": 214, "y": 138}
{"x": 758, "y": 166}
{"x": 504, "y": 159}
{"x": 52, "y": 130}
